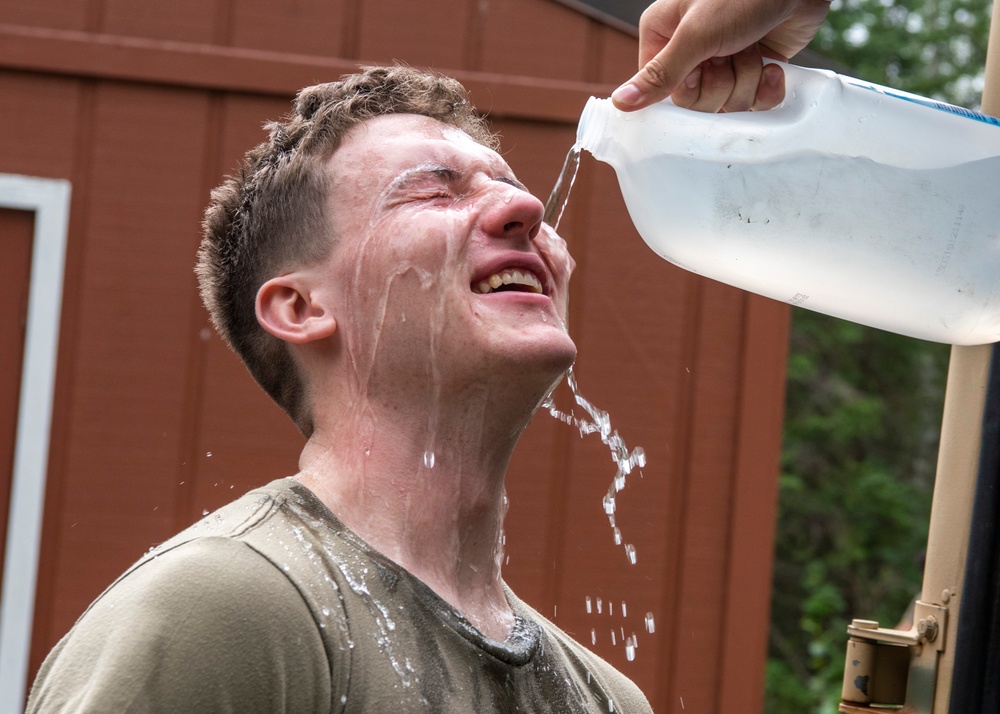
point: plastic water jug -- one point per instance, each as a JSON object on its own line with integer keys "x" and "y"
{"x": 849, "y": 198}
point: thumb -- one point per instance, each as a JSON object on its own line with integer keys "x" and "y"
{"x": 659, "y": 77}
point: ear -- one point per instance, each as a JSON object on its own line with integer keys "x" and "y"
{"x": 291, "y": 312}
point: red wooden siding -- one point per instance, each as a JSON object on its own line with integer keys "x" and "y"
{"x": 145, "y": 107}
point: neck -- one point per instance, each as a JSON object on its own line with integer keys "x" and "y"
{"x": 425, "y": 487}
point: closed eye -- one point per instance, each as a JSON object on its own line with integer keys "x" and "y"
{"x": 430, "y": 195}
{"x": 424, "y": 183}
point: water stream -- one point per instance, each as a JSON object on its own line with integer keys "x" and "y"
{"x": 559, "y": 197}
{"x": 597, "y": 421}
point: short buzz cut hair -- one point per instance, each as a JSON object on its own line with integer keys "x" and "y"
{"x": 272, "y": 215}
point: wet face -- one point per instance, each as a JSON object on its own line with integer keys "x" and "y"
{"x": 443, "y": 273}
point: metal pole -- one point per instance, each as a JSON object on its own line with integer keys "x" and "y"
{"x": 951, "y": 513}
{"x": 955, "y": 485}
{"x": 974, "y": 685}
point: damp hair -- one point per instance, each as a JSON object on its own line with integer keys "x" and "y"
{"x": 272, "y": 215}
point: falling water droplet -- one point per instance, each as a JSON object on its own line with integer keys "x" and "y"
{"x": 650, "y": 625}
{"x": 630, "y": 552}
{"x": 429, "y": 459}
{"x": 588, "y": 604}
{"x": 609, "y": 504}
{"x": 624, "y": 609}
{"x": 599, "y": 422}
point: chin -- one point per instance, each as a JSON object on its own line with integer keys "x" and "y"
{"x": 552, "y": 365}
{"x": 556, "y": 353}
{"x": 536, "y": 360}
{"x": 566, "y": 359}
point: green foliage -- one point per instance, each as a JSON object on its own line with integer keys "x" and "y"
{"x": 934, "y": 48}
{"x": 863, "y": 416}
{"x": 864, "y": 406}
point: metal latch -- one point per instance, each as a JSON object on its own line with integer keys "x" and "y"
{"x": 878, "y": 658}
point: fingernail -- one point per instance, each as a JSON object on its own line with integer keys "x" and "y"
{"x": 627, "y": 95}
{"x": 773, "y": 75}
{"x": 691, "y": 81}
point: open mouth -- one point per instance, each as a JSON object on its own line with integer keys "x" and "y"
{"x": 509, "y": 280}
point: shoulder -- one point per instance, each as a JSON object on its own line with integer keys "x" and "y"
{"x": 225, "y": 577}
{"x": 209, "y": 624}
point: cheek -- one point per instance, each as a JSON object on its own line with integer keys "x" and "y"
{"x": 431, "y": 248}
{"x": 556, "y": 253}
{"x": 398, "y": 271}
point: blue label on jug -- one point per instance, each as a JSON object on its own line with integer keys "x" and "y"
{"x": 931, "y": 103}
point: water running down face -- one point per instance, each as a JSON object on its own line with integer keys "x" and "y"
{"x": 436, "y": 238}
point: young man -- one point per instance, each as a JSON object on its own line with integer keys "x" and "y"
{"x": 389, "y": 282}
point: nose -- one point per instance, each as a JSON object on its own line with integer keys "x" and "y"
{"x": 513, "y": 213}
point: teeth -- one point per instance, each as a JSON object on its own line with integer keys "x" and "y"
{"x": 509, "y": 277}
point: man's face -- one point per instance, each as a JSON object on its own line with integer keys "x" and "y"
{"x": 443, "y": 272}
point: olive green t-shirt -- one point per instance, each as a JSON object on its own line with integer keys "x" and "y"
{"x": 271, "y": 605}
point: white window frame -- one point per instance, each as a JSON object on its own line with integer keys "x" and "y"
{"x": 49, "y": 199}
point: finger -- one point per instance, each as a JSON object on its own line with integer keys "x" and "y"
{"x": 717, "y": 83}
{"x": 687, "y": 91}
{"x": 661, "y": 74}
{"x": 748, "y": 66}
{"x": 770, "y": 89}
{"x": 657, "y": 24}
{"x": 651, "y": 84}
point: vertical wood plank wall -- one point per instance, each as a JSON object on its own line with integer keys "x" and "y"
{"x": 146, "y": 106}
